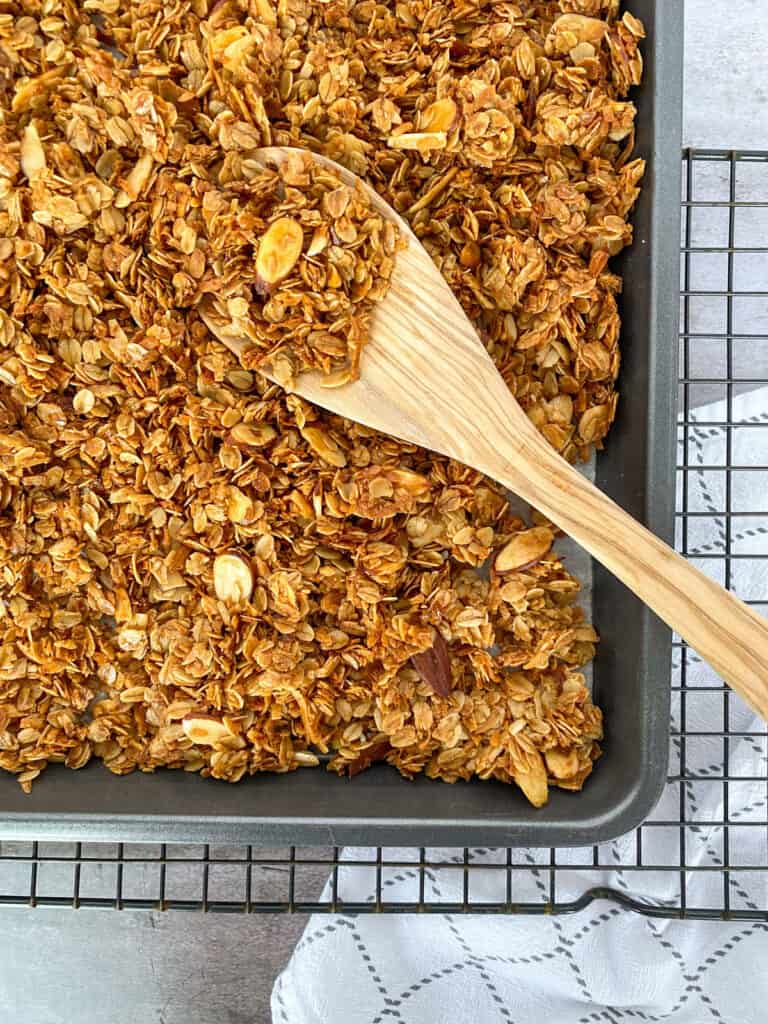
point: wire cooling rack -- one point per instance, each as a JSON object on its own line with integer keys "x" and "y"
{"x": 704, "y": 851}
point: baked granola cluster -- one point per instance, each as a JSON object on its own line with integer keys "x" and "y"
{"x": 292, "y": 262}
{"x": 200, "y": 571}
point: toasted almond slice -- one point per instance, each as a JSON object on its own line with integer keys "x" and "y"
{"x": 33, "y": 161}
{"x": 133, "y": 695}
{"x": 586, "y": 29}
{"x": 376, "y": 751}
{"x": 242, "y": 380}
{"x": 439, "y": 116}
{"x": 533, "y": 780}
{"x": 223, "y": 39}
{"x": 27, "y": 91}
{"x": 324, "y": 446}
{"x": 279, "y": 251}
{"x": 381, "y": 488}
{"x": 239, "y": 505}
{"x": 204, "y": 729}
{"x": 421, "y": 141}
{"x": 333, "y": 277}
{"x": 582, "y": 52}
{"x": 319, "y": 240}
{"x": 137, "y": 178}
{"x": 414, "y": 483}
{"x": 252, "y": 435}
{"x": 306, "y": 757}
{"x": 327, "y": 343}
{"x": 434, "y": 666}
{"x": 232, "y": 579}
{"x": 563, "y": 764}
{"x": 525, "y": 550}
{"x": 266, "y": 12}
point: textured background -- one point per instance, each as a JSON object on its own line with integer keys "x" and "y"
{"x": 92, "y": 967}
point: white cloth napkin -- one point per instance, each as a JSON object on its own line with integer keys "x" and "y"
{"x": 604, "y": 963}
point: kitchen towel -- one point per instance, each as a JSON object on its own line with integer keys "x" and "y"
{"x": 604, "y": 962}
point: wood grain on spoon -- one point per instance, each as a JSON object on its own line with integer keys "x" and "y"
{"x": 426, "y": 378}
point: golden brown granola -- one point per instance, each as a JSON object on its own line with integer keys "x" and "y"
{"x": 304, "y": 257}
{"x": 199, "y": 571}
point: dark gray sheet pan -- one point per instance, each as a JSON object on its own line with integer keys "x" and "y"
{"x": 632, "y": 671}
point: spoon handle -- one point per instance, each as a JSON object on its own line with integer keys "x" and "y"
{"x": 721, "y": 628}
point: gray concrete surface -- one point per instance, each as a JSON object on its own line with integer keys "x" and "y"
{"x": 725, "y": 84}
{"x": 66, "y": 967}
{"x": 94, "y": 967}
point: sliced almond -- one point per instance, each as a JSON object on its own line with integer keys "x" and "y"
{"x": 306, "y": 757}
{"x": 377, "y": 751}
{"x": 324, "y": 446}
{"x": 525, "y": 550}
{"x": 319, "y": 241}
{"x": 239, "y": 505}
{"x": 204, "y": 729}
{"x": 242, "y": 380}
{"x": 33, "y": 161}
{"x": 26, "y": 92}
{"x": 439, "y": 116}
{"x": 224, "y": 38}
{"x": 533, "y": 781}
{"x": 252, "y": 435}
{"x": 434, "y": 666}
{"x": 232, "y": 579}
{"x": 333, "y": 277}
{"x": 414, "y": 483}
{"x": 582, "y": 52}
{"x": 266, "y": 12}
{"x": 563, "y": 764}
{"x": 136, "y": 180}
{"x": 584, "y": 28}
{"x": 420, "y": 141}
{"x": 279, "y": 251}
{"x": 381, "y": 488}
{"x": 329, "y": 344}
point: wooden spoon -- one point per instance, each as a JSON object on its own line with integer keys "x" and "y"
{"x": 426, "y": 378}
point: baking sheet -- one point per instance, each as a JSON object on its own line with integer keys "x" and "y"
{"x": 631, "y": 673}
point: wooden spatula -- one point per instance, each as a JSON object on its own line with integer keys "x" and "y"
{"x": 426, "y": 378}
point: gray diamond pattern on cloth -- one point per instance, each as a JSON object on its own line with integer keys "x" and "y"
{"x": 604, "y": 962}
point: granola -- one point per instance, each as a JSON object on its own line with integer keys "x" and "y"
{"x": 304, "y": 258}
{"x": 200, "y": 571}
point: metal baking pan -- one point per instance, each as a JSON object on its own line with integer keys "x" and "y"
{"x": 632, "y": 670}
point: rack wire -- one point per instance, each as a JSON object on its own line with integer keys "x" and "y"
{"x": 704, "y": 851}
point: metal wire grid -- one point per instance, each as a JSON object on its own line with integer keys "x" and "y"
{"x": 692, "y": 858}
